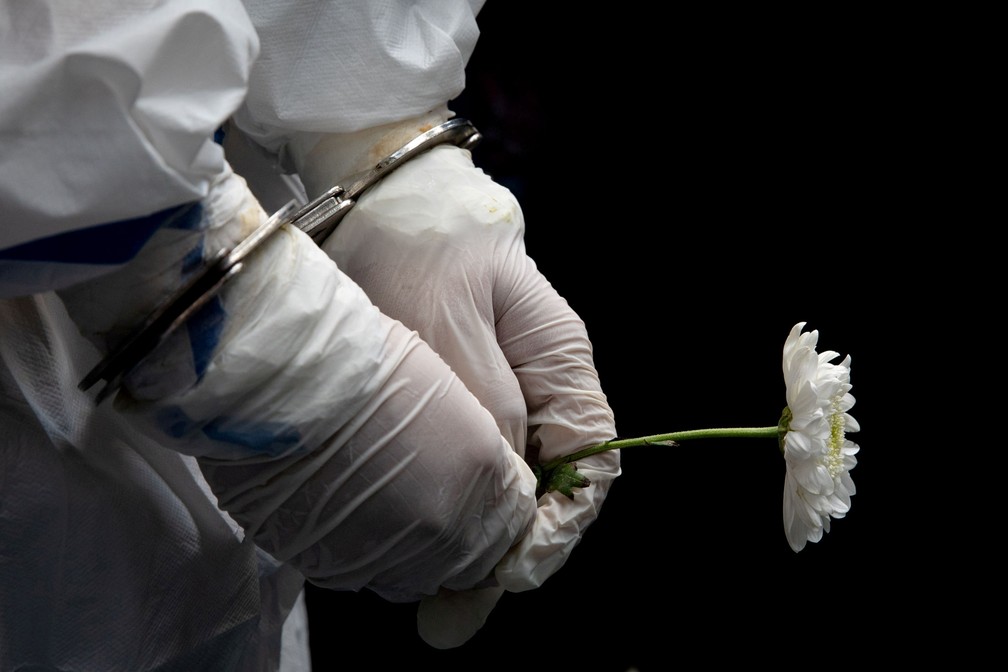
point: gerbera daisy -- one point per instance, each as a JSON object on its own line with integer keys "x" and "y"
{"x": 813, "y": 438}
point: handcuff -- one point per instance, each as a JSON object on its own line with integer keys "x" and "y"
{"x": 318, "y": 219}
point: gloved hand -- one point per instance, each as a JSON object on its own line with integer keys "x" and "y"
{"x": 439, "y": 245}
{"x": 337, "y": 439}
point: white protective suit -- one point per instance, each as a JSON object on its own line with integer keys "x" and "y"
{"x": 357, "y": 415}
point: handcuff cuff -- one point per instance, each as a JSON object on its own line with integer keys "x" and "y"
{"x": 318, "y": 219}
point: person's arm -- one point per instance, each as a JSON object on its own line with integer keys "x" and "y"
{"x": 338, "y": 439}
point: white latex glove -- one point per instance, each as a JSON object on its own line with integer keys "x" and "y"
{"x": 439, "y": 245}
{"x": 336, "y": 437}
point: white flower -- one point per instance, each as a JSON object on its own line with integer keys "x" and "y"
{"x": 817, "y": 454}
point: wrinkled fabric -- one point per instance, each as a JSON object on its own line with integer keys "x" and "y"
{"x": 109, "y": 107}
{"x": 106, "y": 538}
{"x": 339, "y": 67}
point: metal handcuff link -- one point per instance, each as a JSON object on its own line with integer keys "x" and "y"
{"x": 318, "y": 219}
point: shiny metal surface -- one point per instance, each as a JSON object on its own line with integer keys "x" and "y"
{"x": 320, "y": 217}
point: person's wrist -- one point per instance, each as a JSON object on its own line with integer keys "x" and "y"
{"x": 111, "y": 310}
{"x": 323, "y": 160}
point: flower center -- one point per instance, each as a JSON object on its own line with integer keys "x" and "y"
{"x": 837, "y": 422}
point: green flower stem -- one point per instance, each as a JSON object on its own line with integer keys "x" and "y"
{"x": 668, "y": 439}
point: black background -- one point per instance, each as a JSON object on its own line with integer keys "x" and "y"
{"x": 694, "y": 184}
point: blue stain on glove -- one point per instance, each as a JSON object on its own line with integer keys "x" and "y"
{"x": 205, "y": 325}
{"x": 265, "y": 438}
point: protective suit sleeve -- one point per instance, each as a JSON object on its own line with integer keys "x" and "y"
{"x": 338, "y": 66}
{"x": 104, "y": 118}
{"x": 336, "y": 438}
